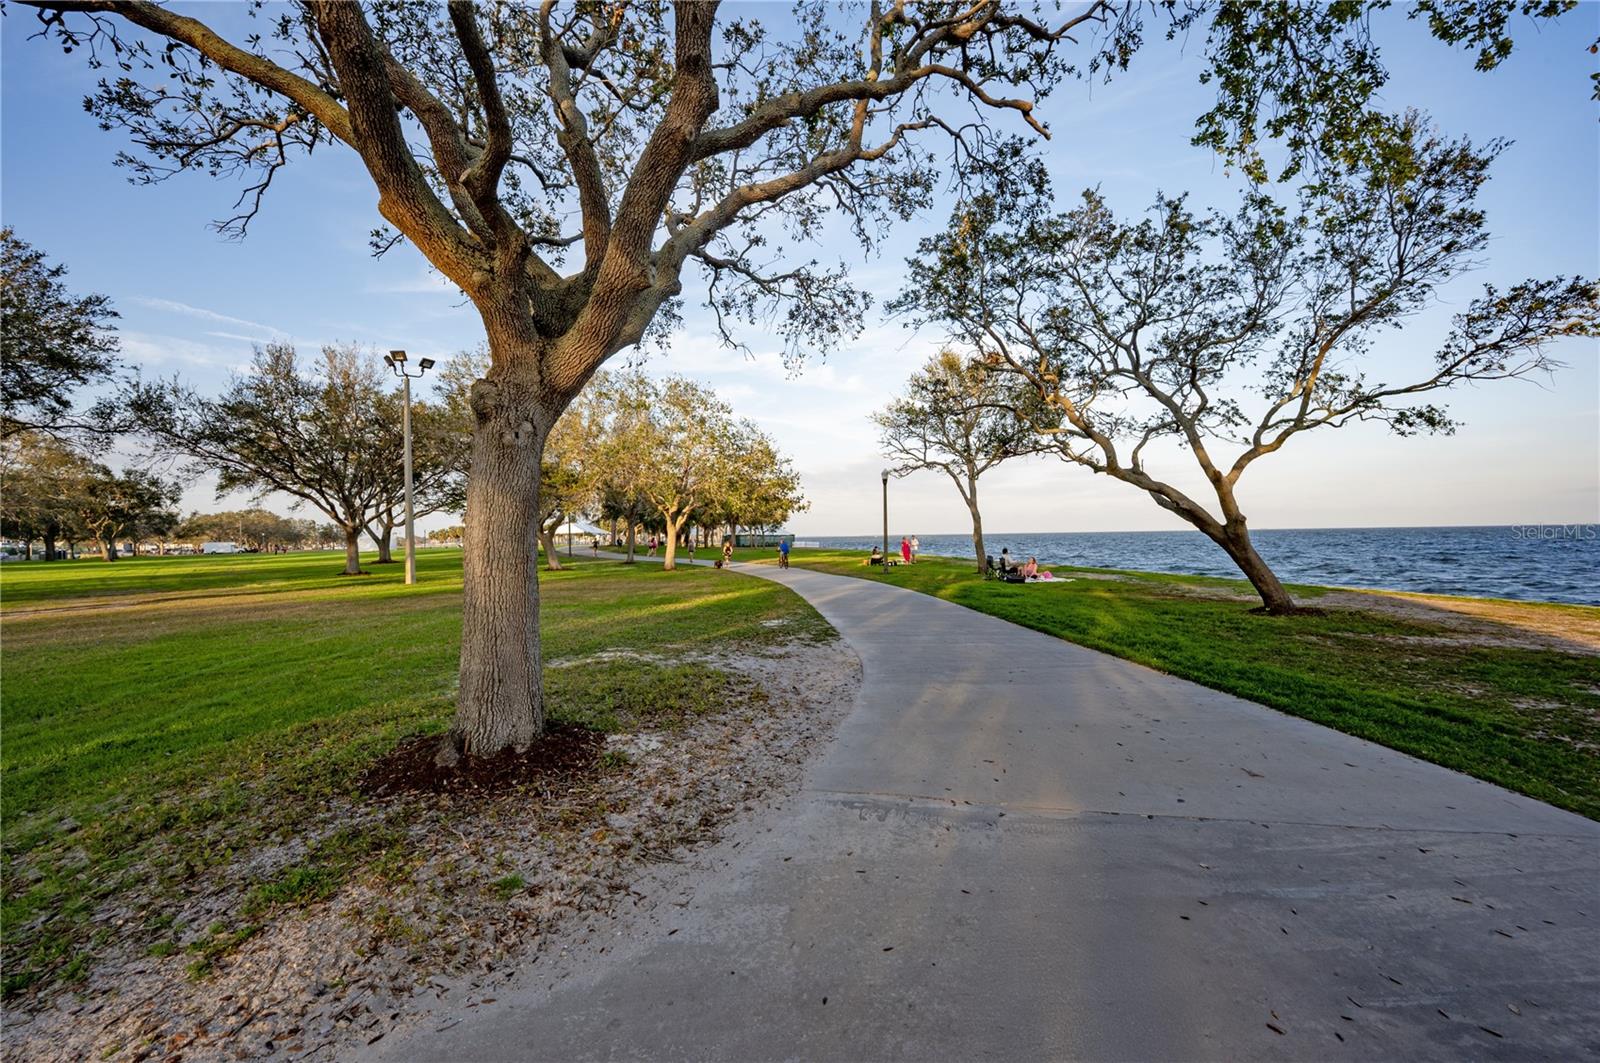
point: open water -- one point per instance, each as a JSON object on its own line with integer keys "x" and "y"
{"x": 1534, "y": 562}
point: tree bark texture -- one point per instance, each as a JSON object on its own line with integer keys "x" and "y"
{"x": 501, "y": 700}
{"x": 674, "y": 528}
{"x": 384, "y": 537}
{"x": 547, "y": 537}
{"x": 352, "y": 551}
{"x": 1274, "y": 599}
{"x": 977, "y": 525}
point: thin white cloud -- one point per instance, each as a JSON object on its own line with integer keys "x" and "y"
{"x": 175, "y": 307}
{"x": 159, "y": 351}
{"x": 243, "y": 338}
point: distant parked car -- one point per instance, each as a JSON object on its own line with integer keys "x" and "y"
{"x": 222, "y": 548}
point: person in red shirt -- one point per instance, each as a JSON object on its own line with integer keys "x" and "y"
{"x": 905, "y": 549}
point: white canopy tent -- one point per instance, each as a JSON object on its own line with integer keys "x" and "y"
{"x": 578, "y": 527}
{"x": 575, "y": 528}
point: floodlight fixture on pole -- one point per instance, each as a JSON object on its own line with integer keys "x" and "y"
{"x": 396, "y": 360}
{"x": 886, "y": 516}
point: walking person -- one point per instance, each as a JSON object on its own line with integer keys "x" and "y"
{"x": 916, "y": 548}
{"x": 727, "y": 552}
{"x": 783, "y": 553}
{"x": 652, "y": 546}
{"x": 905, "y": 549}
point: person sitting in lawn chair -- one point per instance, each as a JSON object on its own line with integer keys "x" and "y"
{"x": 1009, "y": 571}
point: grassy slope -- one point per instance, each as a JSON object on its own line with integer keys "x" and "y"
{"x": 1528, "y": 719}
{"x": 199, "y": 706}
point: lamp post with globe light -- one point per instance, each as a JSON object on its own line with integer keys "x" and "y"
{"x": 396, "y": 360}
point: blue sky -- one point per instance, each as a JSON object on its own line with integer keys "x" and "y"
{"x": 194, "y": 303}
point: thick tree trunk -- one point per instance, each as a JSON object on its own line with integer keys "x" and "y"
{"x": 50, "y": 544}
{"x": 547, "y": 536}
{"x": 977, "y": 527}
{"x": 352, "y": 552}
{"x": 1274, "y": 599}
{"x": 633, "y": 538}
{"x": 384, "y": 537}
{"x": 501, "y": 699}
{"x": 27, "y": 550}
{"x": 674, "y": 528}
{"x": 110, "y": 548}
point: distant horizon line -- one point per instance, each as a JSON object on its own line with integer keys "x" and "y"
{"x": 1195, "y": 531}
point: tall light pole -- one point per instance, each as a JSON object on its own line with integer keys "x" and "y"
{"x": 886, "y": 516}
{"x": 396, "y": 360}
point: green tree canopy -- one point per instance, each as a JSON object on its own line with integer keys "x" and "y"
{"x": 52, "y": 342}
{"x": 962, "y": 417}
{"x": 1237, "y": 333}
{"x": 316, "y": 433}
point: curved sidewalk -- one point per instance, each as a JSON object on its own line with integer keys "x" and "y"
{"x": 1017, "y": 848}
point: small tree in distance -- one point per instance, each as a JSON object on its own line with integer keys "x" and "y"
{"x": 679, "y": 434}
{"x": 278, "y": 428}
{"x": 1159, "y": 329}
{"x": 440, "y": 442}
{"x": 570, "y": 469}
{"x": 109, "y": 505}
{"x": 41, "y": 478}
{"x": 761, "y": 490}
{"x": 962, "y": 418}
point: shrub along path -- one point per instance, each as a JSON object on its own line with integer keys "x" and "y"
{"x": 1020, "y": 848}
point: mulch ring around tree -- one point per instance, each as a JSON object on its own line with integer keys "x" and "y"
{"x": 565, "y": 754}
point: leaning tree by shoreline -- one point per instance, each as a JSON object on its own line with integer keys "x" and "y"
{"x": 1155, "y": 329}
{"x": 485, "y": 127}
{"x": 962, "y": 418}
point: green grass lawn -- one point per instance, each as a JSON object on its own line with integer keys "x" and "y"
{"x": 1526, "y": 718}
{"x": 161, "y": 715}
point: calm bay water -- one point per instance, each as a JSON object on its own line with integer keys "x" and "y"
{"x": 1535, "y": 562}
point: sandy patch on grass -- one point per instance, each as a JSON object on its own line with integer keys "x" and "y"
{"x": 479, "y": 888}
{"x": 1483, "y": 622}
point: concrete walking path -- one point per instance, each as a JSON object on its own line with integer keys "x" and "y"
{"x": 1017, "y": 848}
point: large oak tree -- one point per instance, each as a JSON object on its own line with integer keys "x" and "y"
{"x": 564, "y": 165}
